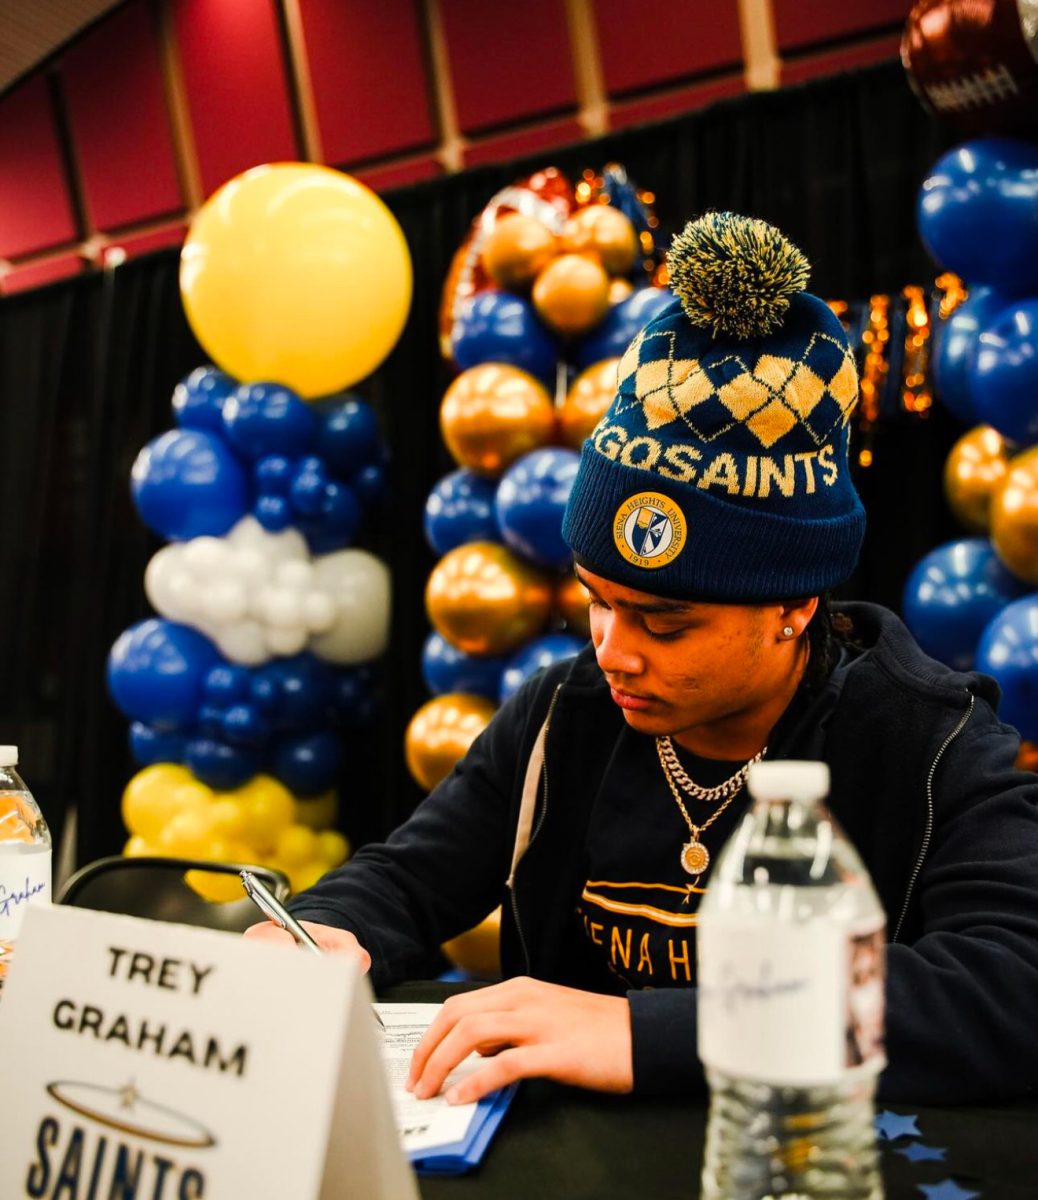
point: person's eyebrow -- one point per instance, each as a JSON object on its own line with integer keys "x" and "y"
{"x": 658, "y": 606}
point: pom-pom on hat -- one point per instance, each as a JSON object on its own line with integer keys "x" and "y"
{"x": 720, "y": 470}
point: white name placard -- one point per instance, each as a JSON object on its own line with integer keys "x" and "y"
{"x": 153, "y": 1060}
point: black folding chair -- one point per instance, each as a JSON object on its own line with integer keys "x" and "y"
{"x": 155, "y": 888}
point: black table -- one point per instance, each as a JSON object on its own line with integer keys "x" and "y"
{"x": 559, "y": 1143}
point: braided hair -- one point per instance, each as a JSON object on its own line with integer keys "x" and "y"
{"x": 827, "y": 632}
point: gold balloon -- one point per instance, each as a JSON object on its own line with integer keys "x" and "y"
{"x": 977, "y": 465}
{"x": 605, "y": 232}
{"x": 441, "y": 732}
{"x": 1014, "y": 517}
{"x": 478, "y": 950}
{"x": 493, "y": 414}
{"x": 517, "y": 249}
{"x": 572, "y": 293}
{"x": 484, "y": 600}
{"x": 571, "y": 602}
{"x": 586, "y": 401}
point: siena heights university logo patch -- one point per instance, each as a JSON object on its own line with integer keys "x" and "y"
{"x": 649, "y": 530}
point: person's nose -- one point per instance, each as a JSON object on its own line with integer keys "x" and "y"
{"x": 615, "y": 648}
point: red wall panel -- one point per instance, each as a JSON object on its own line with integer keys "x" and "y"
{"x": 237, "y": 91}
{"x": 118, "y": 116}
{"x": 35, "y": 210}
{"x": 371, "y": 91}
{"x": 394, "y": 175}
{"x": 648, "y": 42}
{"x": 34, "y": 275}
{"x": 523, "y": 142}
{"x": 507, "y": 61}
{"x": 670, "y": 104}
{"x": 845, "y": 58}
{"x": 806, "y": 22}
{"x": 136, "y": 244}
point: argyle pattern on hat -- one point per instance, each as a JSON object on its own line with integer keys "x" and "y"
{"x": 768, "y": 394}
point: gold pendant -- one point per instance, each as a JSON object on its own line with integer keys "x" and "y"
{"x": 695, "y": 857}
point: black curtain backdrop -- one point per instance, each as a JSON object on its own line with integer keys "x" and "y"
{"x": 87, "y": 368}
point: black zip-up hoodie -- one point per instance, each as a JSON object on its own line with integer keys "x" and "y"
{"x": 923, "y": 783}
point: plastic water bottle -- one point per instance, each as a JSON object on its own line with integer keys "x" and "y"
{"x": 791, "y": 959}
{"x": 25, "y": 870}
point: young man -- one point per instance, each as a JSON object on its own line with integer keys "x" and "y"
{"x": 712, "y": 512}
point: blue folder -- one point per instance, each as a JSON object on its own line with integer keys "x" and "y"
{"x": 461, "y": 1156}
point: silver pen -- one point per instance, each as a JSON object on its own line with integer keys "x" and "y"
{"x": 275, "y": 911}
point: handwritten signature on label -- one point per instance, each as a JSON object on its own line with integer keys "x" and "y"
{"x": 735, "y": 991}
{"x": 10, "y": 900}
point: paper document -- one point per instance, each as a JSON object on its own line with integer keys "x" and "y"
{"x": 435, "y": 1135}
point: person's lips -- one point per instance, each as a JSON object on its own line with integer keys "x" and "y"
{"x": 630, "y": 701}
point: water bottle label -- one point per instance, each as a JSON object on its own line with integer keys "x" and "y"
{"x": 790, "y": 1006}
{"x": 24, "y": 880}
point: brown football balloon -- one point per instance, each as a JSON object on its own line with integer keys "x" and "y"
{"x": 494, "y": 413}
{"x": 976, "y": 466}
{"x": 517, "y": 249}
{"x": 1014, "y": 517}
{"x": 484, "y": 600}
{"x": 604, "y": 232}
{"x": 441, "y": 732}
{"x": 586, "y": 401}
{"x": 975, "y": 62}
{"x": 572, "y": 294}
{"x": 571, "y": 603}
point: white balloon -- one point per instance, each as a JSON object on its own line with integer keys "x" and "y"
{"x": 247, "y": 534}
{"x": 286, "y": 639}
{"x": 184, "y": 596}
{"x": 249, "y": 567}
{"x": 296, "y": 574}
{"x": 318, "y": 611}
{"x": 283, "y": 609}
{"x": 157, "y": 574}
{"x": 361, "y": 588}
{"x": 243, "y": 642}
{"x": 224, "y": 601}
{"x": 204, "y": 556}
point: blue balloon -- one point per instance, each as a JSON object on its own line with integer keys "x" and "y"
{"x": 621, "y": 324}
{"x": 274, "y": 513}
{"x": 535, "y": 657}
{"x": 244, "y": 725}
{"x": 530, "y": 503}
{"x": 978, "y": 213}
{"x": 952, "y": 594}
{"x": 955, "y": 350}
{"x": 273, "y": 474}
{"x": 500, "y": 327}
{"x": 156, "y": 672}
{"x": 268, "y": 418}
{"x": 369, "y": 484}
{"x": 307, "y": 764}
{"x": 348, "y": 436}
{"x": 445, "y": 668}
{"x": 186, "y": 483}
{"x": 1008, "y": 650}
{"x": 293, "y": 692}
{"x": 337, "y": 522}
{"x": 353, "y": 703}
{"x": 198, "y": 399}
{"x": 308, "y": 486}
{"x": 1004, "y": 378}
{"x": 149, "y": 745}
{"x": 460, "y": 508}
{"x": 227, "y": 683}
{"x": 219, "y": 765}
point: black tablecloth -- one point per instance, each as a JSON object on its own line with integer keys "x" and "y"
{"x": 559, "y": 1143}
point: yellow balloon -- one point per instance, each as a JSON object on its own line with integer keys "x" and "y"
{"x": 479, "y": 949}
{"x": 296, "y": 273}
{"x": 155, "y": 794}
{"x": 217, "y": 888}
{"x": 334, "y": 848}
{"x": 187, "y": 834}
{"x": 137, "y": 847}
{"x": 318, "y": 811}
{"x": 296, "y": 845}
{"x": 306, "y": 875}
{"x": 269, "y": 808}
{"x": 441, "y": 732}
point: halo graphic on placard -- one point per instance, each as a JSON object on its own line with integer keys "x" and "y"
{"x": 123, "y": 1108}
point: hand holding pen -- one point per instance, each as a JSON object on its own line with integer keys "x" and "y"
{"x": 280, "y": 921}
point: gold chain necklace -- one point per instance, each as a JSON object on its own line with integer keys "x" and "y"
{"x": 695, "y": 858}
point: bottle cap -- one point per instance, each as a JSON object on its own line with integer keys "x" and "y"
{"x": 8, "y": 756}
{"x": 804, "y": 781}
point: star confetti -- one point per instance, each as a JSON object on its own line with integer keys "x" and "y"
{"x": 917, "y": 1152}
{"x": 890, "y": 1126}
{"x": 947, "y": 1189}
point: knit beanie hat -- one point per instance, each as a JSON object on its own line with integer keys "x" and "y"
{"x": 720, "y": 470}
